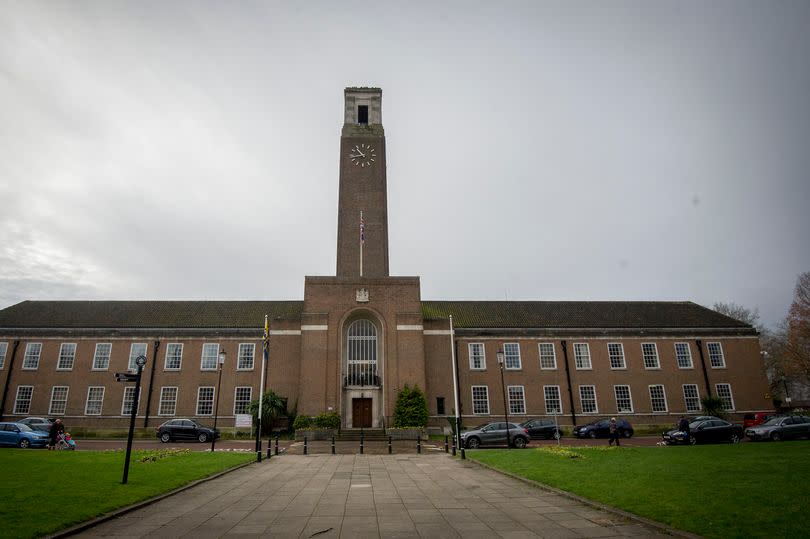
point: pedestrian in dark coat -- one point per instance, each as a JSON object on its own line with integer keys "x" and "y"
{"x": 683, "y": 426}
{"x": 56, "y": 429}
{"x": 614, "y": 432}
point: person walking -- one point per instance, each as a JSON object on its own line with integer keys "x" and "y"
{"x": 56, "y": 429}
{"x": 614, "y": 432}
{"x": 683, "y": 426}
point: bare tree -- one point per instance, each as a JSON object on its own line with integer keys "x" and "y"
{"x": 738, "y": 312}
{"x": 797, "y": 332}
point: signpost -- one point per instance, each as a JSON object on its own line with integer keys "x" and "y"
{"x": 140, "y": 361}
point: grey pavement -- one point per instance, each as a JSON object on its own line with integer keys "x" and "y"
{"x": 325, "y": 496}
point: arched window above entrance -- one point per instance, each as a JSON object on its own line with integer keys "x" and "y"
{"x": 361, "y": 354}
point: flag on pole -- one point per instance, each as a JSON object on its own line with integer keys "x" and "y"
{"x": 362, "y": 229}
{"x": 266, "y": 342}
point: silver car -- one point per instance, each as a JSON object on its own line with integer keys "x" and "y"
{"x": 781, "y": 428}
{"x": 495, "y": 434}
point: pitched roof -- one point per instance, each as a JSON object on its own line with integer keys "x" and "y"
{"x": 147, "y": 314}
{"x": 466, "y": 314}
{"x": 578, "y": 314}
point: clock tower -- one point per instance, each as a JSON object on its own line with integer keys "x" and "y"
{"x": 361, "y": 329}
{"x": 362, "y": 246}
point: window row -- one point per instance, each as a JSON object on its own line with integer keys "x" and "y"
{"x": 582, "y": 355}
{"x": 623, "y": 399}
{"x": 95, "y": 400}
{"x": 103, "y": 351}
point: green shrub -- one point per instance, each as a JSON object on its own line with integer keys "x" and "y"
{"x": 327, "y": 420}
{"x": 411, "y": 408}
{"x": 302, "y": 422}
{"x": 273, "y": 408}
{"x": 713, "y": 406}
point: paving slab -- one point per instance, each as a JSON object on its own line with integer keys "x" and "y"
{"x": 391, "y": 496}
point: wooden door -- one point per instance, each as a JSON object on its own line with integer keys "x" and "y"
{"x": 361, "y": 413}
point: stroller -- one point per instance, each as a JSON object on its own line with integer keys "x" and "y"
{"x": 65, "y": 441}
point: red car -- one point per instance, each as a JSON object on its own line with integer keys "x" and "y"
{"x": 756, "y": 418}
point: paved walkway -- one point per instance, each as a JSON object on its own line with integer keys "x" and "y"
{"x": 328, "y": 496}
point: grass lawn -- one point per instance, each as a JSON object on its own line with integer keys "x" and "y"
{"x": 45, "y": 491}
{"x": 743, "y": 490}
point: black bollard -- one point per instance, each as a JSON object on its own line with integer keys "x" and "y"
{"x": 333, "y": 444}
{"x": 390, "y": 449}
{"x": 362, "y": 439}
{"x": 454, "y": 446}
{"x": 463, "y": 456}
{"x": 418, "y": 444}
{"x": 276, "y": 444}
{"x": 445, "y": 444}
{"x": 269, "y": 450}
{"x": 305, "y": 445}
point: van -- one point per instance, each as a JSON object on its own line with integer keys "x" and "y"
{"x": 755, "y": 418}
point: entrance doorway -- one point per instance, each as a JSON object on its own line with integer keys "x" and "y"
{"x": 361, "y": 413}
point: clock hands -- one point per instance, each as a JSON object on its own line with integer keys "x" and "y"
{"x": 359, "y": 154}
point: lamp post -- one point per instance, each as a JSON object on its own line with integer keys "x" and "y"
{"x": 499, "y": 355}
{"x": 221, "y": 359}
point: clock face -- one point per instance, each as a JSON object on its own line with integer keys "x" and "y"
{"x": 362, "y": 155}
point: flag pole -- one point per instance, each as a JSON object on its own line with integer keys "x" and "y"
{"x": 454, "y": 368}
{"x": 362, "y": 241}
{"x": 265, "y": 353}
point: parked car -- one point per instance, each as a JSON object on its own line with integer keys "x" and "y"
{"x": 781, "y": 428}
{"x": 600, "y": 428}
{"x": 185, "y": 429}
{"x": 756, "y": 418}
{"x": 677, "y": 436}
{"x": 706, "y": 429}
{"x": 21, "y": 435}
{"x": 542, "y": 429}
{"x": 37, "y": 423}
{"x": 495, "y": 434}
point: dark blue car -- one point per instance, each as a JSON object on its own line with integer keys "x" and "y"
{"x": 21, "y": 435}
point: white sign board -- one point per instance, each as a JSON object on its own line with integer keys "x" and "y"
{"x": 244, "y": 420}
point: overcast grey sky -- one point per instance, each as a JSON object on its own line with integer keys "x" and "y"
{"x": 536, "y": 150}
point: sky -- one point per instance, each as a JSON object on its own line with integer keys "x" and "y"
{"x": 536, "y": 150}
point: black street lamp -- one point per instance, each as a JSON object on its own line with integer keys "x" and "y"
{"x": 499, "y": 355}
{"x": 216, "y": 406}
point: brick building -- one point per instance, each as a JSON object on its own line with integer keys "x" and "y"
{"x": 360, "y": 335}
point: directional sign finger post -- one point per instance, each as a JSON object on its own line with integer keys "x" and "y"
{"x": 140, "y": 361}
